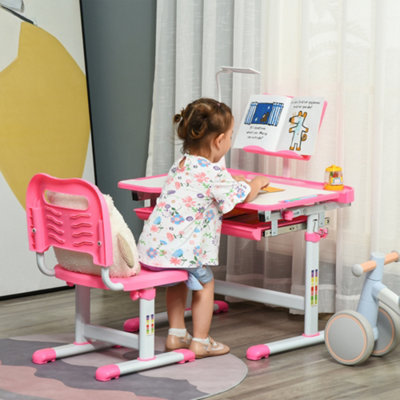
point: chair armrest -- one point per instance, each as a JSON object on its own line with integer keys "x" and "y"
{"x": 42, "y": 265}
{"x": 105, "y": 276}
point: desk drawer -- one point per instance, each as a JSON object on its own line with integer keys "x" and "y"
{"x": 248, "y": 226}
{"x": 144, "y": 212}
{"x": 245, "y": 226}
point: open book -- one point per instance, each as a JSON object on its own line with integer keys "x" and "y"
{"x": 280, "y": 123}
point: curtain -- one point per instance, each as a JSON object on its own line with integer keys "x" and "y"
{"x": 345, "y": 51}
{"x": 193, "y": 38}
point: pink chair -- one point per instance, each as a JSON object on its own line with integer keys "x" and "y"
{"x": 88, "y": 231}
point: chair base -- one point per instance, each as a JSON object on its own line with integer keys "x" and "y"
{"x": 89, "y": 337}
{"x": 114, "y": 371}
{"x": 43, "y": 356}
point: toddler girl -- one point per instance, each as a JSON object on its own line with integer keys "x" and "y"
{"x": 184, "y": 228}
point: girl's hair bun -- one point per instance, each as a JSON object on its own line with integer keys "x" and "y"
{"x": 201, "y": 119}
{"x": 178, "y": 117}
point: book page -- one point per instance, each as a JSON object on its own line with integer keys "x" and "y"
{"x": 302, "y": 125}
{"x": 262, "y": 122}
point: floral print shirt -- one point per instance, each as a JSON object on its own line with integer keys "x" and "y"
{"x": 184, "y": 228}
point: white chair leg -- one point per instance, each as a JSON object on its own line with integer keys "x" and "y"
{"x": 82, "y": 312}
{"x": 146, "y": 328}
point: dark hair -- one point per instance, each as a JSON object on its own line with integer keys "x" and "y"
{"x": 200, "y": 121}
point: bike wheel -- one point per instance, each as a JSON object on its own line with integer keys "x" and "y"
{"x": 349, "y": 337}
{"x": 388, "y": 325}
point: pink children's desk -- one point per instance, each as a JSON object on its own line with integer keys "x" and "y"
{"x": 300, "y": 206}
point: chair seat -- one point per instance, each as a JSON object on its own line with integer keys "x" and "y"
{"x": 145, "y": 279}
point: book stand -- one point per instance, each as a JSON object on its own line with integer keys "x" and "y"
{"x": 285, "y": 154}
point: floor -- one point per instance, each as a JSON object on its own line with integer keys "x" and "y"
{"x": 308, "y": 373}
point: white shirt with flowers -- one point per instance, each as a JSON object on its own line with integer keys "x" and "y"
{"x": 184, "y": 228}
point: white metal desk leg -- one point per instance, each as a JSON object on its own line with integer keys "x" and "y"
{"x": 312, "y": 237}
{"x": 311, "y": 334}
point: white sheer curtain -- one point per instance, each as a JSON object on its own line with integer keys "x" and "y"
{"x": 193, "y": 38}
{"x": 346, "y": 51}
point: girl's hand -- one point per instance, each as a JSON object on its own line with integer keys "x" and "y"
{"x": 256, "y": 184}
{"x": 262, "y": 180}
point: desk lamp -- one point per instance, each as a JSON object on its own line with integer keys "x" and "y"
{"x": 231, "y": 70}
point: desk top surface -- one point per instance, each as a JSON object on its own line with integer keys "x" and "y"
{"x": 295, "y": 192}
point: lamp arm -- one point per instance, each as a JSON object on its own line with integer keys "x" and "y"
{"x": 231, "y": 70}
{"x": 218, "y": 85}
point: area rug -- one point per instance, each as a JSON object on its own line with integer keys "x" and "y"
{"x": 73, "y": 377}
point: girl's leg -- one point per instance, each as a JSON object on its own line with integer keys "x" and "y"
{"x": 202, "y": 310}
{"x": 176, "y": 305}
{"x": 178, "y": 337}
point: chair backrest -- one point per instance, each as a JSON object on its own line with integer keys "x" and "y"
{"x": 83, "y": 227}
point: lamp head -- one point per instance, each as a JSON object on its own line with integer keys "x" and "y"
{"x": 239, "y": 70}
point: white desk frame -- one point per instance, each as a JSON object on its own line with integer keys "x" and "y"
{"x": 301, "y": 206}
